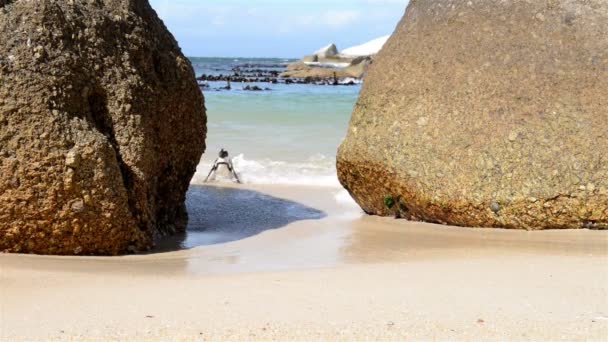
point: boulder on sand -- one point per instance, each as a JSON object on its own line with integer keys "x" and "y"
{"x": 486, "y": 113}
{"x": 102, "y": 125}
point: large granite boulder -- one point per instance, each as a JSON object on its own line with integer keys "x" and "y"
{"x": 102, "y": 125}
{"x": 486, "y": 113}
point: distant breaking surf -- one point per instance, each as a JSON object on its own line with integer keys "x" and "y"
{"x": 318, "y": 170}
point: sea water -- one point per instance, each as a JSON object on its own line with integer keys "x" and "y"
{"x": 286, "y": 135}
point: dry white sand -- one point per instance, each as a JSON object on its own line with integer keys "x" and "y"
{"x": 298, "y": 265}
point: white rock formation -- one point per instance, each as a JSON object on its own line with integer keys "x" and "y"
{"x": 367, "y": 49}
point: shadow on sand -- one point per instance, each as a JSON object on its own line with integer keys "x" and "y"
{"x": 219, "y": 215}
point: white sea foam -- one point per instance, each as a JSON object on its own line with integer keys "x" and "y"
{"x": 344, "y": 198}
{"x": 318, "y": 170}
{"x": 351, "y": 79}
{"x": 328, "y": 64}
{"x": 350, "y": 208}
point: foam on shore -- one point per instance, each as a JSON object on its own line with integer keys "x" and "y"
{"x": 328, "y": 64}
{"x": 317, "y": 170}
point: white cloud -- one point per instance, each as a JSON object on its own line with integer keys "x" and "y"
{"x": 340, "y": 19}
{"x": 218, "y": 21}
{"x": 332, "y": 20}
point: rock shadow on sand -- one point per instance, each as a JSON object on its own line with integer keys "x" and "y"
{"x": 221, "y": 214}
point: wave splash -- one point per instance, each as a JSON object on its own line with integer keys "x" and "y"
{"x": 317, "y": 170}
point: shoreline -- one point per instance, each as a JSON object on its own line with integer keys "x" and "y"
{"x": 339, "y": 275}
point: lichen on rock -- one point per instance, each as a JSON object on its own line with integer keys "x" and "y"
{"x": 102, "y": 125}
{"x": 486, "y": 113}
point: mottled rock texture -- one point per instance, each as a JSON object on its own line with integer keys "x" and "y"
{"x": 102, "y": 125}
{"x": 486, "y": 113}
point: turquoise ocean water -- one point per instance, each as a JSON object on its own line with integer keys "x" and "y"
{"x": 287, "y": 135}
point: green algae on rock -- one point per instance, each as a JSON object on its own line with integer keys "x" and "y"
{"x": 102, "y": 125}
{"x": 486, "y": 113}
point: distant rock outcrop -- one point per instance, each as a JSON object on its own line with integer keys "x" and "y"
{"x": 102, "y": 125}
{"x": 301, "y": 70}
{"x": 310, "y": 59}
{"x": 327, "y": 62}
{"x": 328, "y": 51}
{"x": 486, "y": 113}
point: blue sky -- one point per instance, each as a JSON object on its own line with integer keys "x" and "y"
{"x": 275, "y": 28}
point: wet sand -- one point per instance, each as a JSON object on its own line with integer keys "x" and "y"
{"x": 276, "y": 262}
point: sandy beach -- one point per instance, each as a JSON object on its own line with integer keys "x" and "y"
{"x": 124, "y": 122}
{"x": 302, "y": 263}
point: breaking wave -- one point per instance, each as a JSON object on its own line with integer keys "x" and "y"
{"x": 317, "y": 170}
